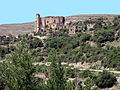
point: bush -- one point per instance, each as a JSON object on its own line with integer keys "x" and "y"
{"x": 103, "y": 36}
{"x": 85, "y": 74}
{"x": 105, "y": 80}
{"x": 35, "y": 43}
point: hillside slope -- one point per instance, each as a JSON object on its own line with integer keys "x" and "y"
{"x": 76, "y": 18}
{"x": 15, "y": 29}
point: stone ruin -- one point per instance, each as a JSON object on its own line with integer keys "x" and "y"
{"x": 49, "y": 23}
{"x": 56, "y": 23}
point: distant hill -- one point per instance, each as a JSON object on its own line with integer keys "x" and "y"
{"x": 76, "y": 18}
{"x": 23, "y": 28}
{"x": 16, "y": 29}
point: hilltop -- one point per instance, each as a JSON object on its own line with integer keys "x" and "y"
{"x": 15, "y": 29}
{"x": 84, "y": 17}
{"x": 24, "y": 28}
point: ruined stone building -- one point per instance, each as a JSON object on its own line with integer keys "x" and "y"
{"x": 49, "y": 22}
{"x": 38, "y": 23}
{"x": 72, "y": 30}
{"x": 57, "y": 23}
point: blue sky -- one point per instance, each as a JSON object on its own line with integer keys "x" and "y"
{"x": 20, "y": 11}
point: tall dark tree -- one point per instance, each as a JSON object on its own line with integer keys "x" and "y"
{"x": 105, "y": 80}
{"x": 56, "y": 80}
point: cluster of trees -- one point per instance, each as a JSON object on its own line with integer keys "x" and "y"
{"x": 18, "y": 72}
{"x": 34, "y": 43}
{"x": 5, "y": 50}
{"x": 104, "y": 35}
{"x": 112, "y": 57}
{"x": 85, "y": 53}
{"x": 62, "y": 43}
{"x": 31, "y": 42}
{"x": 75, "y": 48}
{"x": 9, "y": 40}
{"x": 102, "y": 80}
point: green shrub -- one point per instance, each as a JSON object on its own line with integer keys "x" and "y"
{"x": 105, "y": 80}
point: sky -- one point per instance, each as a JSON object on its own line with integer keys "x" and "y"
{"x": 21, "y": 11}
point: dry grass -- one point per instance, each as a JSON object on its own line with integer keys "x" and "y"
{"x": 114, "y": 43}
{"x": 16, "y": 29}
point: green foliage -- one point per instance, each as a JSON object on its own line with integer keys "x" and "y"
{"x": 103, "y": 36}
{"x": 35, "y": 43}
{"x": 40, "y": 59}
{"x": 85, "y": 53}
{"x": 70, "y": 73}
{"x": 9, "y": 40}
{"x": 89, "y": 22}
{"x": 60, "y": 42}
{"x": 105, "y": 80}
{"x": 84, "y": 37}
{"x": 57, "y": 80}
{"x": 112, "y": 57}
{"x": 86, "y": 74}
{"x": 88, "y": 84}
{"x": 3, "y": 52}
{"x": 41, "y": 68}
{"x": 70, "y": 86}
{"x": 119, "y": 33}
{"x": 19, "y": 71}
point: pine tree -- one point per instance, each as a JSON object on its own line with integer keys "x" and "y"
{"x": 19, "y": 71}
{"x": 56, "y": 80}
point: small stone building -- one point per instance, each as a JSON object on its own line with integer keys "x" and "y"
{"x": 72, "y": 30}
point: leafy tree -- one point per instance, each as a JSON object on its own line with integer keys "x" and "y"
{"x": 19, "y": 71}
{"x": 112, "y": 57}
{"x": 85, "y": 37}
{"x": 89, "y": 83}
{"x": 35, "y": 43}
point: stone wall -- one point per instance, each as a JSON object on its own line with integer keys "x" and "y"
{"x": 37, "y": 22}
{"x": 52, "y": 22}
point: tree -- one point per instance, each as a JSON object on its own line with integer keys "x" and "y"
{"x": 35, "y": 43}
{"x": 56, "y": 80}
{"x": 70, "y": 86}
{"x": 18, "y": 71}
{"x": 89, "y": 83}
{"x": 104, "y": 35}
{"x": 105, "y": 80}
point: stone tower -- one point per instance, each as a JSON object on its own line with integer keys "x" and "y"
{"x": 38, "y": 23}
